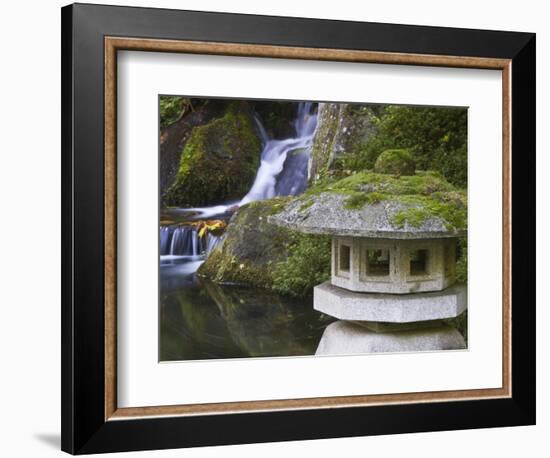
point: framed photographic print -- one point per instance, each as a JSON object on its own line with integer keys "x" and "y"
{"x": 280, "y": 228}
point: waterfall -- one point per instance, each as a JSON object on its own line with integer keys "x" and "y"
{"x": 282, "y": 172}
{"x": 283, "y": 163}
{"x": 278, "y": 175}
{"x": 185, "y": 241}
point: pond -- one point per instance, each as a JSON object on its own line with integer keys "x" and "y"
{"x": 200, "y": 319}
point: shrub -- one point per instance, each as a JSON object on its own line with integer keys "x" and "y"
{"x": 462, "y": 260}
{"x": 171, "y": 108}
{"x": 436, "y": 138}
{"x": 307, "y": 265}
{"x": 395, "y": 162}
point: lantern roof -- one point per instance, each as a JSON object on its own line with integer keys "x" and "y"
{"x": 379, "y": 206}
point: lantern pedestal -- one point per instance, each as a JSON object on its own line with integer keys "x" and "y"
{"x": 348, "y": 337}
{"x": 376, "y": 323}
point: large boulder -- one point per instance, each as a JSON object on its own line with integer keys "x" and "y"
{"x": 256, "y": 253}
{"x": 218, "y": 161}
{"x": 178, "y": 117}
{"x": 251, "y": 247}
{"x": 342, "y": 128}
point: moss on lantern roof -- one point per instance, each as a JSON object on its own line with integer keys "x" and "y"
{"x": 369, "y": 204}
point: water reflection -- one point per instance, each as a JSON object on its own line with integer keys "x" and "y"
{"x": 204, "y": 320}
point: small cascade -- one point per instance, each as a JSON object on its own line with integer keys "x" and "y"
{"x": 185, "y": 241}
{"x": 283, "y": 167}
{"x": 212, "y": 242}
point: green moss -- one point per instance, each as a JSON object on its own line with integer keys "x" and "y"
{"x": 422, "y": 183}
{"x": 395, "y": 162}
{"x": 308, "y": 203}
{"x": 264, "y": 208}
{"x": 251, "y": 247}
{"x": 218, "y": 162}
{"x": 357, "y": 200}
{"x": 452, "y": 211}
{"x": 427, "y": 194}
{"x": 224, "y": 268}
{"x": 171, "y": 108}
{"x": 257, "y": 253}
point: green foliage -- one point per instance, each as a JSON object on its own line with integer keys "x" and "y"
{"x": 395, "y": 162}
{"x": 307, "y": 265}
{"x": 436, "y": 138}
{"x": 462, "y": 261}
{"x": 172, "y": 108}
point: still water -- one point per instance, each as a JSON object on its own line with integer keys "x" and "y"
{"x": 203, "y": 320}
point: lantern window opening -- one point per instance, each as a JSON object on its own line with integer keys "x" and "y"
{"x": 418, "y": 262}
{"x": 344, "y": 258}
{"x": 377, "y": 262}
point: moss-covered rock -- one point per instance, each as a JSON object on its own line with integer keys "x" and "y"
{"x": 218, "y": 162}
{"x": 257, "y": 253}
{"x": 251, "y": 247}
{"x": 342, "y": 129}
{"x": 175, "y": 130}
{"x": 395, "y": 162}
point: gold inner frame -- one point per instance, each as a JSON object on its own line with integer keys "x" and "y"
{"x": 112, "y": 45}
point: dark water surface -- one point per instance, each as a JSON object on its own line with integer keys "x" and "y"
{"x": 203, "y": 320}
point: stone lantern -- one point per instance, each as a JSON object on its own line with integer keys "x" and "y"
{"x": 392, "y": 286}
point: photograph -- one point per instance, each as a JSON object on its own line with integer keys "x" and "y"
{"x": 269, "y": 219}
{"x": 302, "y": 228}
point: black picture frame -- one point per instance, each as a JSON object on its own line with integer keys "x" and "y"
{"x": 84, "y": 428}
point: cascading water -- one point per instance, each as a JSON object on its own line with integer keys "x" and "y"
{"x": 185, "y": 241}
{"x": 275, "y": 177}
{"x": 282, "y": 172}
{"x": 283, "y": 166}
